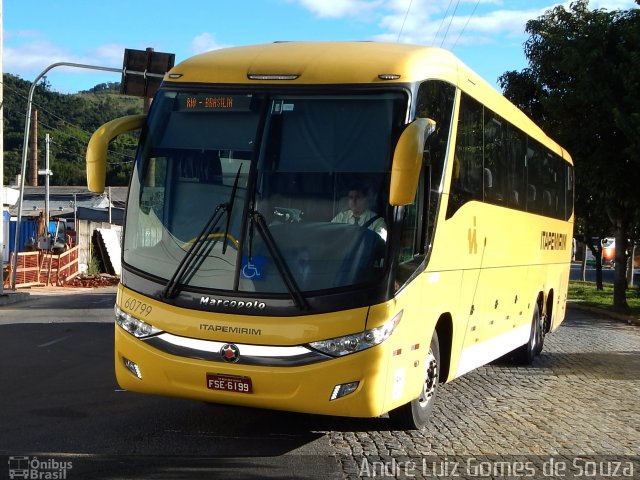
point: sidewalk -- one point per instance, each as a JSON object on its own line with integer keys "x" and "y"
{"x": 9, "y": 297}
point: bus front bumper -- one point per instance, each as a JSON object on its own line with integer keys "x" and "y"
{"x": 308, "y": 388}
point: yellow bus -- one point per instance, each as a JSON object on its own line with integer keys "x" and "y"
{"x": 334, "y": 228}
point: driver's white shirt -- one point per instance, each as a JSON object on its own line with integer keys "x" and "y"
{"x": 378, "y": 225}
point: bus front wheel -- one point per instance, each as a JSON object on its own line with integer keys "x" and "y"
{"x": 415, "y": 414}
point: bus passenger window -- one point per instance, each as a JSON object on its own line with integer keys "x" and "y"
{"x": 535, "y": 177}
{"x": 515, "y": 168}
{"x": 435, "y": 101}
{"x": 468, "y": 185}
{"x": 568, "y": 192}
{"x": 495, "y": 158}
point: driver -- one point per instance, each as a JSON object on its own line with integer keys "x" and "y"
{"x": 360, "y": 214}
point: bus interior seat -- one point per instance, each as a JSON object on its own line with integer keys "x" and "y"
{"x": 531, "y": 197}
{"x": 488, "y": 179}
{"x": 490, "y": 192}
{"x": 546, "y": 201}
{"x": 200, "y": 166}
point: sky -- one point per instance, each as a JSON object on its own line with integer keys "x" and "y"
{"x": 487, "y": 35}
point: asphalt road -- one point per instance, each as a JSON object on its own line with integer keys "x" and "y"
{"x": 60, "y": 400}
{"x": 607, "y": 274}
{"x": 60, "y": 405}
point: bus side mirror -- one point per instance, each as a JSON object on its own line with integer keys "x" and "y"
{"x": 407, "y": 161}
{"x": 98, "y": 144}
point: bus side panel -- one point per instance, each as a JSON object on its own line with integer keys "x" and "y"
{"x": 551, "y": 278}
{"x": 422, "y": 302}
{"x": 507, "y": 258}
{"x": 560, "y": 298}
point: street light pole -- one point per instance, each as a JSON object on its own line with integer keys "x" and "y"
{"x": 27, "y": 126}
{"x": 25, "y": 148}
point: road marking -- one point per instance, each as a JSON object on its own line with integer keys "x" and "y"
{"x": 52, "y": 342}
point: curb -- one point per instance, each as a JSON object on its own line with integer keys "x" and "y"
{"x": 8, "y": 298}
{"x": 629, "y": 320}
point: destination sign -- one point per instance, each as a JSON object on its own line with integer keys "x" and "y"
{"x": 209, "y": 102}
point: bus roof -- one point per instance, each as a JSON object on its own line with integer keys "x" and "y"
{"x": 344, "y": 63}
{"x": 318, "y": 63}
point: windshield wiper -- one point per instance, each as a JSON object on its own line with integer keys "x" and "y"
{"x": 258, "y": 220}
{"x": 195, "y": 250}
{"x": 171, "y": 288}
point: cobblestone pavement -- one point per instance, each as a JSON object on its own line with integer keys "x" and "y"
{"x": 580, "y": 398}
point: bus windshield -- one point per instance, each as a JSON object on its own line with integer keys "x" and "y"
{"x": 265, "y": 194}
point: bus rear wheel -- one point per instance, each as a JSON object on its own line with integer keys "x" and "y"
{"x": 530, "y": 350}
{"x": 415, "y": 414}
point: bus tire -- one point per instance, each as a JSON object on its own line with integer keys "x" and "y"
{"x": 415, "y": 414}
{"x": 525, "y": 354}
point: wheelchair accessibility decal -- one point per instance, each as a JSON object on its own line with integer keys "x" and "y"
{"x": 252, "y": 268}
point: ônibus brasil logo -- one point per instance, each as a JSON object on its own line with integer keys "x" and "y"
{"x": 36, "y": 468}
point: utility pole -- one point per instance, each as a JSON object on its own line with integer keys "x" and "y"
{"x": 47, "y": 173}
{"x": 75, "y": 216}
{"x": 33, "y": 171}
{"x": 109, "y": 206}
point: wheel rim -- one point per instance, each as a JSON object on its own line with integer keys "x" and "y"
{"x": 537, "y": 332}
{"x": 430, "y": 380}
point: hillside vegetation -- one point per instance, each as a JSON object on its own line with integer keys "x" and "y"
{"x": 70, "y": 120}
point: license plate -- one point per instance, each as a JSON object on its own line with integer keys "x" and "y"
{"x": 229, "y": 383}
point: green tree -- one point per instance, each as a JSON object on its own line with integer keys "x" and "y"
{"x": 69, "y": 119}
{"x": 582, "y": 86}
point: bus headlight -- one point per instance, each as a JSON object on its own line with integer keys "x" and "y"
{"x": 339, "y": 346}
{"x": 134, "y": 326}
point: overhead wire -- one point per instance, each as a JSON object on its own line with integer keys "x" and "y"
{"x": 41, "y": 108}
{"x": 441, "y": 22}
{"x": 444, "y": 37}
{"x": 55, "y": 115}
{"x": 57, "y": 130}
{"x": 404, "y": 20}
{"x": 466, "y": 24}
{"x": 61, "y": 147}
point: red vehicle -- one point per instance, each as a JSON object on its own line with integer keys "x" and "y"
{"x": 608, "y": 250}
